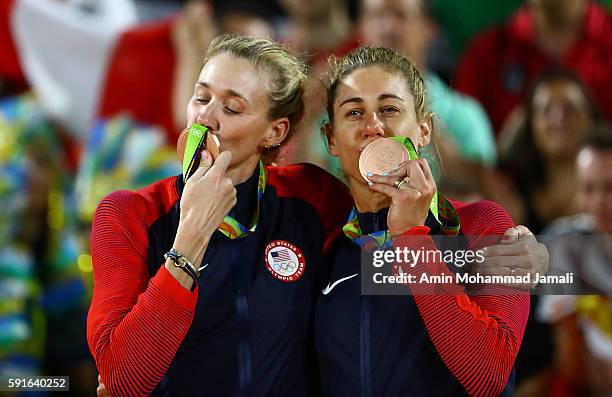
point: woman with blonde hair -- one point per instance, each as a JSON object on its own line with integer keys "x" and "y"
{"x": 207, "y": 286}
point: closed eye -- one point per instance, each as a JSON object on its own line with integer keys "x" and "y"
{"x": 231, "y": 111}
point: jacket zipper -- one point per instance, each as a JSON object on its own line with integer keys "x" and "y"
{"x": 242, "y": 316}
{"x": 365, "y": 335}
{"x": 244, "y": 349}
{"x": 365, "y": 347}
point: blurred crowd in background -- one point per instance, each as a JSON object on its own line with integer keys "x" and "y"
{"x": 92, "y": 99}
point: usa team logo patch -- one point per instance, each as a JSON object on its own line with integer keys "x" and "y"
{"x": 285, "y": 261}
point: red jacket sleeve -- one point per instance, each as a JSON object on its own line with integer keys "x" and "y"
{"x": 135, "y": 323}
{"x": 477, "y": 337}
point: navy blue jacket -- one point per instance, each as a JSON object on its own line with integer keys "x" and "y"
{"x": 376, "y": 345}
{"x": 247, "y": 329}
{"x": 251, "y": 334}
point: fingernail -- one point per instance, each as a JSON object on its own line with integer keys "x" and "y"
{"x": 385, "y": 174}
{"x": 370, "y": 183}
{"x": 370, "y": 174}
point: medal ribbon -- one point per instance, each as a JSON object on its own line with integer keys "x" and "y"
{"x": 440, "y": 208}
{"x": 233, "y": 229}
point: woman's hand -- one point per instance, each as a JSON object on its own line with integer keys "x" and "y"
{"x": 101, "y": 389}
{"x": 208, "y": 196}
{"x": 411, "y": 189}
{"x": 518, "y": 253}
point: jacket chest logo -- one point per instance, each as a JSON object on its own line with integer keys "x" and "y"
{"x": 285, "y": 261}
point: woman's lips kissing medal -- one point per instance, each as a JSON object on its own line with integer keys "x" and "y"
{"x": 190, "y": 144}
{"x": 382, "y": 156}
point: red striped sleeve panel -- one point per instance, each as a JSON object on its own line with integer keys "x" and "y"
{"x": 477, "y": 336}
{"x": 135, "y": 323}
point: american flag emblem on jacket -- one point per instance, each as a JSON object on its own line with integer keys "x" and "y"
{"x": 282, "y": 255}
{"x": 284, "y": 260}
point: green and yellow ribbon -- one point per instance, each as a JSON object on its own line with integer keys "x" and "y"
{"x": 233, "y": 229}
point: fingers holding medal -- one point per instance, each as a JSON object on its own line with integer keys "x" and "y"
{"x": 389, "y": 168}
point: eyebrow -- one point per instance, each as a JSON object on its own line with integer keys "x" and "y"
{"x": 387, "y": 96}
{"x": 354, "y": 99}
{"x": 229, "y": 91}
{"x": 380, "y": 98}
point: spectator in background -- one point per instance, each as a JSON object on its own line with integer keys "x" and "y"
{"x": 583, "y": 324}
{"x": 245, "y": 19}
{"x": 408, "y": 26}
{"x": 593, "y": 197}
{"x": 540, "y": 158}
{"x": 502, "y": 63}
{"x": 595, "y": 179}
{"x": 537, "y": 186}
{"x": 460, "y": 23}
{"x": 318, "y": 28}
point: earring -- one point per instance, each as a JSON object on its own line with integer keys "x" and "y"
{"x": 272, "y": 146}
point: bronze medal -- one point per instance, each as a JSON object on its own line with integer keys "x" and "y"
{"x": 381, "y": 157}
{"x": 181, "y": 143}
{"x": 212, "y": 145}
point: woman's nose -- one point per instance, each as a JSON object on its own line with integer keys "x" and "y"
{"x": 373, "y": 125}
{"x": 207, "y": 117}
{"x": 557, "y": 114}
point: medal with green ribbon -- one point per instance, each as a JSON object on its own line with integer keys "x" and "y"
{"x": 440, "y": 208}
{"x": 194, "y": 145}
